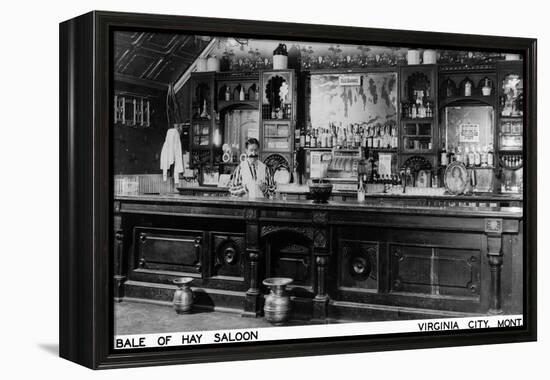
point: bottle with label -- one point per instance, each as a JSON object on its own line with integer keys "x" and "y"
{"x": 458, "y": 155}
{"x": 477, "y": 157}
{"x": 468, "y": 84}
{"x": 303, "y": 139}
{"x": 241, "y": 93}
{"x": 471, "y": 157}
{"x": 227, "y": 94}
{"x": 490, "y": 156}
{"x": 313, "y": 141}
{"x": 297, "y": 137}
{"x": 444, "y": 157}
{"x": 484, "y": 157}
{"x": 308, "y": 139}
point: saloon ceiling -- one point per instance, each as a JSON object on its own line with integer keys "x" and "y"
{"x": 154, "y": 59}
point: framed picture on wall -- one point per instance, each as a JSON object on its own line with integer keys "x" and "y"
{"x": 405, "y": 218}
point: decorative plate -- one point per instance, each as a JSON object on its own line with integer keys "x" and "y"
{"x": 456, "y": 178}
{"x": 281, "y": 176}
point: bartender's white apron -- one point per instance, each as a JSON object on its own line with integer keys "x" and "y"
{"x": 251, "y": 184}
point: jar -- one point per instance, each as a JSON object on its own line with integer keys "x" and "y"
{"x": 202, "y": 64}
{"x": 213, "y": 64}
{"x": 413, "y": 57}
{"x": 429, "y": 57}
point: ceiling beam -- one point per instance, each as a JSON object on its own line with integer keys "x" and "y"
{"x": 185, "y": 76}
{"x": 141, "y": 82}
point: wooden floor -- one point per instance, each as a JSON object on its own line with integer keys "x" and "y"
{"x": 149, "y": 318}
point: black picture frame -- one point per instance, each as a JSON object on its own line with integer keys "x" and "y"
{"x": 86, "y": 189}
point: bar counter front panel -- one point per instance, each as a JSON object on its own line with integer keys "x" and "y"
{"x": 349, "y": 261}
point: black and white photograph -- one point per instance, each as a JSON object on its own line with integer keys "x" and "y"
{"x": 280, "y": 189}
{"x": 274, "y": 190}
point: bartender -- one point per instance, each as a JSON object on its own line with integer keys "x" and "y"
{"x": 252, "y": 177}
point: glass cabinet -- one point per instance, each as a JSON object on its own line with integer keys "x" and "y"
{"x": 510, "y": 125}
{"x": 206, "y": 137}
{"x": 278, "y": 108}
{"x": 418, "y": 109}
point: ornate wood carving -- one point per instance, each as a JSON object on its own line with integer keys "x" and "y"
{"x": 320, "y": 239}
{"x": 322, "y": 263}
{"x": 251, "y": 214}
{"x": 254, "y": 257}
{"x": 494, "y": 254}
{"x": 228, "y": 255}
{"x": 320, "y": 217}
{"x": 270, "y": 228}
{"x": 359, "y": 264}
{"x": 119, "y": 276}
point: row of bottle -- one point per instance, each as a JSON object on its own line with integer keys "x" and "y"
{"x": 352, "y": 136}
{"x": 253, "y": 93}
{"x": 470, "y": 156}
{"x": 512, "y": 161}
{"x": 420, "y": 108}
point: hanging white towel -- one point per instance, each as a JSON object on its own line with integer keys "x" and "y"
{"x": 171, "y": 154}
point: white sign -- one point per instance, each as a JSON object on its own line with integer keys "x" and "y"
{"x": 172, "y": 339}
{"x": 468, "y": 133}
{"x": 349, "y": 80}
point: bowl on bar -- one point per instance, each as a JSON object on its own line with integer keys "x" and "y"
{"x": 319, "y": 190}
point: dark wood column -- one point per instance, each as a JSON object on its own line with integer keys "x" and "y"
{"x": 321, "y": 251}
{"x": 251, "y": 303}
{"x": 493, "y": 230}
{"x": 118, "y": 257}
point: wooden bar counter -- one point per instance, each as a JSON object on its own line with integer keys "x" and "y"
{"x": 349, "y": 261}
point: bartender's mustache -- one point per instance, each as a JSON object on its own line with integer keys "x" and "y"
{"x": 252, "y": 156}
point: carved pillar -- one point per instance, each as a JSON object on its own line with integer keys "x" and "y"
{"x": 321, "y": 251}
{"x": 251, "y": 304}
{"x": 118, "y": 256}
{"x": 493, "y": 229}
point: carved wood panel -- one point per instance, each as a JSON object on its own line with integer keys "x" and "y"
{"x": 228, "y": 255}
{"x": 435, "y": 270}
{"x": 358, "y": 264}
{"x": 168, "y": 249}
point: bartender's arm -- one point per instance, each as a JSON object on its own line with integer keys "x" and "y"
{"x": 268, "y": 187}
{"x": 236, "y": 186}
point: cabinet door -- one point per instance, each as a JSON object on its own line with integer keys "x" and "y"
{"x": 168, "y": 250}
{"x": 435, "y": 271}
{"x": 510, "y": 126}
{"x": 276, "y": 136}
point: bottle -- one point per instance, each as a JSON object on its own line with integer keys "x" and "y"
{"x": 471, "y": 157}
{"x": 484, "y": 157}
{"x": 241, "y": 93}
{"x": 468, "y": 87}
{"x": 308, "y": 139}
{"x": 452, "y": 156}
{"x": 490, "y": 156}
{"x": 458, "y": 156}
{"x": 444, "y": 158}
{"x": 302, "y": 138}
{"x": 313, "y": 141}
{"x": 297, "y": 137}
{"x": 361, "y": 189}
{"x": 227, "y": 94}
{"x": 477, "y": 157}
{"x": 421, "y": 113}
{"x": 414, "y": 111}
